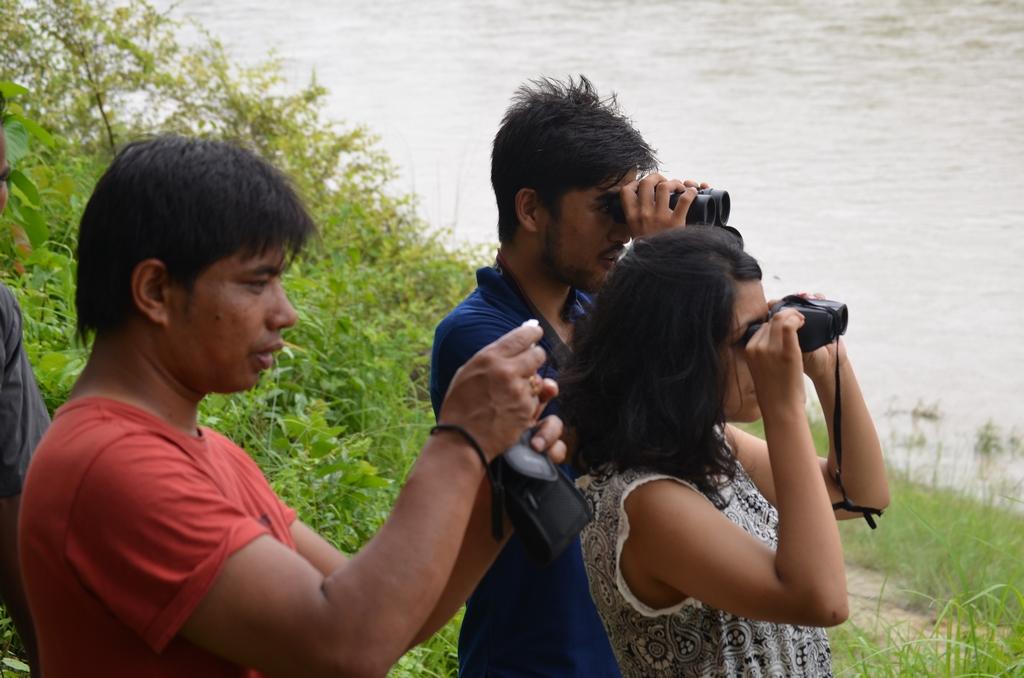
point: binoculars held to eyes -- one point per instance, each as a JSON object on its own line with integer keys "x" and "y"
{"x": 710, "y": 208}
{"x": 824, "y": 321}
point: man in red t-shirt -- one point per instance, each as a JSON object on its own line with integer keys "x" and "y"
{"x": 155, "y": 547}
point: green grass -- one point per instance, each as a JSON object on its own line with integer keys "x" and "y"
{"x": 937, "y": 543}
{"x": 972, "y": 635}
{"x": 959, "y": 561}
{"x": 437, "y": 657}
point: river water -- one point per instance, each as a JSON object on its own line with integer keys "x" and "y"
{"x": 873, "y": 151}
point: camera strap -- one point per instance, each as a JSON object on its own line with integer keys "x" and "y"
{"x": 837, "y": 425}
{"x": 559, "y": 352}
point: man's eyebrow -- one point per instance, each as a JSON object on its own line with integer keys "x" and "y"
{"x": 266, "y": 269}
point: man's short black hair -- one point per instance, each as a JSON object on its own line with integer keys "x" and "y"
{"x": 186, "y": 202}
{"x": 556, "y": 137}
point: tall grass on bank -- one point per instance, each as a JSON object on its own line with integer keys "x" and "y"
{"x": 972, "y": 635}
{"x": 959, "y": 561}
{"x": 938, "y": 542}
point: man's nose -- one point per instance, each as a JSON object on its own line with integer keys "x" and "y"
{"x": 619, "y": 233}
{"x": 284, "y": 314}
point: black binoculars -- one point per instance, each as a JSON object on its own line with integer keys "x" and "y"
{"x": 710, "y": 207}
{"x": 824, "y": 321}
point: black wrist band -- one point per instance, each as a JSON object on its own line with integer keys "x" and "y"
{"x": 468, "y": 437}
{"x": 497, "y": 489}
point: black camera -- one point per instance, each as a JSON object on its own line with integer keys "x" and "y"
{"x": 544, "y": 506}
{"x": 824, "y": 321}
{"x": 710, "y": 208}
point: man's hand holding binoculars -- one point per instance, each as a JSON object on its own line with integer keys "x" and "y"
{"x": 647, "y": 203}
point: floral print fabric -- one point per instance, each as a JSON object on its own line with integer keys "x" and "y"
{"x": 690, "y": 638}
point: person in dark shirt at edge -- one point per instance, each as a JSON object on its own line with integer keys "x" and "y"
{"x": 561, "y": 153}
{"x": 23, "y": 419}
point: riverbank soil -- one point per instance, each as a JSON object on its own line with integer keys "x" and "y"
{"x": 877, "y": 601}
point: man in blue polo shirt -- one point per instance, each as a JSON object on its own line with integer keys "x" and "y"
{"x": 560, "y": 157}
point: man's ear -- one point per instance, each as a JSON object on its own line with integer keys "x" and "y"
{"x": 531, "y": 214}
{"x": 151, "y": 290}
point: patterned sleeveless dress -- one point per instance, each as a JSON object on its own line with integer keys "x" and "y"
{"x": 690, "y": 638}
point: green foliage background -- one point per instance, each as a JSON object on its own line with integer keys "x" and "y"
{"x": 337, "y": 423}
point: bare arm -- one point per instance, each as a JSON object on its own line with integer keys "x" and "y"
{"x": 863, "y": 465}
{"x": 274, "y": 609}
{"x": 271, "y": 609}
{"x": 479, "y": 548}
{"x": 680, "y": 545}
{"x": 317, "y": 550}
{"x": 476, "y": 554}
{"x": 682, "y": 542}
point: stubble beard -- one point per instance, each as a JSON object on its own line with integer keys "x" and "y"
{"x": 558, "y": 269}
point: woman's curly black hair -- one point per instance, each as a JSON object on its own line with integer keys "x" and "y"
{"x": 646, "y": 384}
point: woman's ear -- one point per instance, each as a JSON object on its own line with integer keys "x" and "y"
{"x": 151, "y": 290}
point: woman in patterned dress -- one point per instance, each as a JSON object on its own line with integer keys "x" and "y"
{"x": 712, "y": 551}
